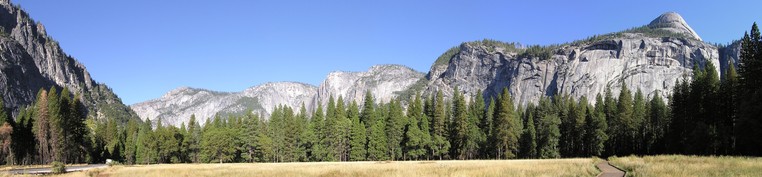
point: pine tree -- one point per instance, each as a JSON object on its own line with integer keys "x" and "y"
{"x": 276, "y": 132}
{"x": 367, "y": 116}
{"x": 377, "y": 143}
{"x": 635, "y": 134}
{"x": 595, "y": 125}
{"x": 302, "y": 144}
{"x": 291, "y": 134}
{"x": 250, "y": 138}
{"x": 68, "y": 122}
{"x": 130, "y": 143}
{"x": 358, "y": 138}
{"x": 146, "y": 144}
{"x": 342, "y": 131}
{"x": 415, "y": 142}
{"x": 750, "y": 107}
{"x": 624, "y": 115}
{"x": 566, "y": 143}
{"x": 460, "y": 126}
{"x": 440, "y": 145}
{"x": 507, "y": 128}
{"x": 330, "y": 131}
{"x": 24, "y": 142}
{"x": 476, "y": 136}
{"x": 729, "y": 110}
{"x": 42, "y": 128}
{"x": 395, "y": 124}
{"x": 658, "y": 124}
{"x": 679, "y": 112}
{"x": 193, "y": 139}
{"x": 548, "y": 133}
{"x": 486, "y": 127}
{"x": 580, "y": 115}
{"x": 82, "y": 132}
{"x": 529, "y": 137}
{"x": 425, "y": 127}
{"x": 265, "y": 151}
{"x": 319, "y": 149}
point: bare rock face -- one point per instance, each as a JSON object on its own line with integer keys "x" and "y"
{"x": 291, "y": 94}
{"x": 383, "y": 81}
{"x": 177, "y": 106}
{"x": 32, "y": 60}
{"x": 645, "y": 59}
{"x": 673, "y": 22}
{"x": 651, "y": 64}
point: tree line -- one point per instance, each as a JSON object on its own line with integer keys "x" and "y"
{"x": 51, "y": 129}
{"x": 705, "y": 115}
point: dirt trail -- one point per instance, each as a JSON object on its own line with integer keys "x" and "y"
{"x": 609, "y": 171}
{"x": 47, "y": 170}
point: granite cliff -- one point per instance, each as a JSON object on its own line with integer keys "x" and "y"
{"x": 176, "y": 107}
{"x": 31, "y": 60}
{"x": 650, "y": 58}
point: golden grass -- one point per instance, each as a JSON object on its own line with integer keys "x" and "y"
{"x": 686, "y": 166}
{"x": 479, "y": 168}
{"x": 88, "y": 173}
{"x": 8, "y": 167}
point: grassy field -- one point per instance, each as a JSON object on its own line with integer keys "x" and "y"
{"x": 556, "y": 167}
{"x": 678, "y": 165}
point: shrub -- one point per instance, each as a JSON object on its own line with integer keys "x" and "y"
{"x": 58, "y": 167}
{"x": 111, "y": 163}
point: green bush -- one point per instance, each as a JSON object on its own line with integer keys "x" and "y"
{"x": 58, "y": 167}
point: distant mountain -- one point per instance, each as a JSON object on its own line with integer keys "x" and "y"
{"x": 650, "y": 58}
{"x": 32, "y": 60}
{"x": 176, "y": 107}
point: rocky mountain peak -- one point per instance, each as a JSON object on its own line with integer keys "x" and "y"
{"x": 673, "y": 22}
{"x": 178, "y": 90}
{"x": 31, "y": 60}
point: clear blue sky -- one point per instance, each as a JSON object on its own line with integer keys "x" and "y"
{"x": 144, "y": 48}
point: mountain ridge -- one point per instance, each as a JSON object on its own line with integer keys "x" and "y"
{"x": 650, "y": 58}
{"x": 177, "y": 105}
{"x": 32, "y": 60}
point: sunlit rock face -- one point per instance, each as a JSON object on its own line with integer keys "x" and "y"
{"x": 639, "y": 61}
{"x": 31, "y": 60}
{"x": 177, "y": 106}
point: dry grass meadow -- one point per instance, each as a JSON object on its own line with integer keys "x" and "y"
{"x": 485, "y": 168}
{"x": 666, "y": 165}
{"x": 687, "y": 166}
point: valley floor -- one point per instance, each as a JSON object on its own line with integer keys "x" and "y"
{"x": 554, "y": 167}
{"x": 680, "y": 165}
{"x": 665, "y": 165}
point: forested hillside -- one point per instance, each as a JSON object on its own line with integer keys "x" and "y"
{"x": 706, "y": 115}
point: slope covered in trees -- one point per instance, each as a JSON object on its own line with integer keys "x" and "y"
{"x": 705, "y": 115}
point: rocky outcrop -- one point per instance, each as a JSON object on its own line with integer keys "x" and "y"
{"x": 176, "y": 107}
{"x": 651, "y": 59}
{"x": 730, "y": 54}
{"x": 383, "y": 81}
{"x": 673, "y": 22}
{"x": 32, "y": 60}
{"x": 586, "y": 68}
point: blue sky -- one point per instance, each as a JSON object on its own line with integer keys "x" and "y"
{"x": 144, "y": 48}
